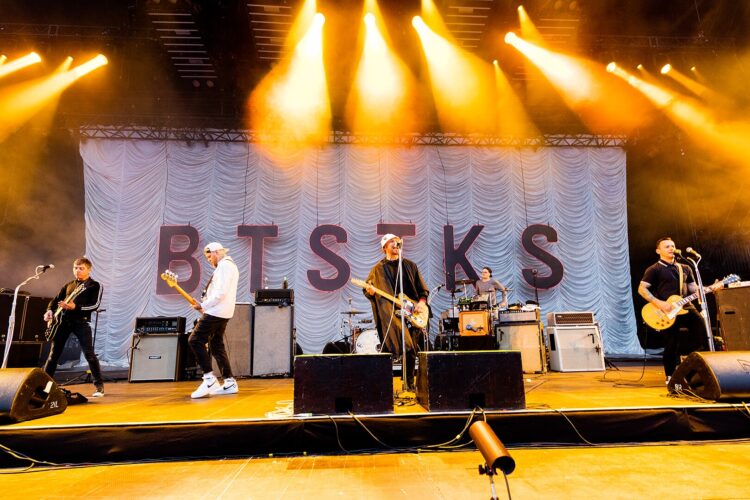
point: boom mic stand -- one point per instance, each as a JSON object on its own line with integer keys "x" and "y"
{"x": 405, "y": 383}
{"x": 703, "y": 303}
{"x": 12, "y": 318}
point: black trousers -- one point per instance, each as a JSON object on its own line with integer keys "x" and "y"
{"x": 685, "y": 336}
{"x": 82, "y": 330}
{"x": 210, "y": 331}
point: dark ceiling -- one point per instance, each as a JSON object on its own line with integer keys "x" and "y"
{"x": 194, "y": 62}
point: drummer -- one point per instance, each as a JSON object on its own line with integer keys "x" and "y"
{"x": 488, "y": 287}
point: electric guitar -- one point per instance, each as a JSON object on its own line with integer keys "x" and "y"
{"x": 171, "y": 279}
{"x": 54, "y": 324}
{"x": 407, "y": 306}
{"x": 660, "y": 320}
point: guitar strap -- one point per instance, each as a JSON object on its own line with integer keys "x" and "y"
{"x": 682, "y": 285}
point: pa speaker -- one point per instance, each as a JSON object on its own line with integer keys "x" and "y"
{"x": 714, "y": 375}
{"x": 154, "y": 357}
{"x": 271, "y": 351}
{"x": 28, "y": 393}
{"x": 343, "y": 383}
{"x": 465, "y": 380}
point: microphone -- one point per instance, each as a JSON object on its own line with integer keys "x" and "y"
{"x": 678, "y": 252}
{"x": 690, "y": 250}
{"x": 48, "y": 266}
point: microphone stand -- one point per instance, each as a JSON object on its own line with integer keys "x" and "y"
{"x": 405, "y": 383}
{"x": 703, "y": 303}
{"x": 427, "y": 330}
{"x": 12, "y": 318}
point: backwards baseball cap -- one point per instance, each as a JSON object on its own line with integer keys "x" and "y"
{"x": 213, "y": 246}
{"x": 385, "y": 239}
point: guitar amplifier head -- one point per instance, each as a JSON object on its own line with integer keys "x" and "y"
{"x": 274, "y": 296}
{"x": 570, "y": 318}
{"x": 160, "y": 324}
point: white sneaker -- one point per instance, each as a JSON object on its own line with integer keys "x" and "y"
{"x": 99, "y": 393}
{"x": 229, "y": 387}
{"x": 204, "y": 389}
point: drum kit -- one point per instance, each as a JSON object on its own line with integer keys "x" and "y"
{"x": 359, "y": 334}
{"x": 476, "y": 314}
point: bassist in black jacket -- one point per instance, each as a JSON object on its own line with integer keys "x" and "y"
{"x": 70, "y": 312}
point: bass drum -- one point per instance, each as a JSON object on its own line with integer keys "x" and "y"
{"x": 367, "y": 342}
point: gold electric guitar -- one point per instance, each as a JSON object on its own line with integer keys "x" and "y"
{"x": 660, "y": 320}
{"x": 407, "y": 306}
{"x": 171, "y": 279}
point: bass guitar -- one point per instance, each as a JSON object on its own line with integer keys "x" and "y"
{"x": 54, "y": 324}
{"x": 407, "y": 306}
{"x": 171, "y": 279}
{"x": 660, "y": 320}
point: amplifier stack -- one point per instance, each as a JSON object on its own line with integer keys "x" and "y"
{"x": 574, "y": 342}
{"x": 520, "y": 330}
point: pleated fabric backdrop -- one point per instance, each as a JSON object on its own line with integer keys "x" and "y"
{"x": 133, "y": 187}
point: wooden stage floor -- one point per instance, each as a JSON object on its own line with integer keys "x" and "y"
{"x": 629, "y": 386}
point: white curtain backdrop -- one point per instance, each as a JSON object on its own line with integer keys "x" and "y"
{"x": 135, "y": 187}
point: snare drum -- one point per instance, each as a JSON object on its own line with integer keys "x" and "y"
{"x": 367, "y": 342}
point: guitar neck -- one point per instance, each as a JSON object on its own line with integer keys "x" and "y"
{"x": 187, "y": 297}
{"x": 692, "y": 297}
{"x": 378, "y": 291}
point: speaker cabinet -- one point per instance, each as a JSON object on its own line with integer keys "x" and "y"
{"x": 154, "y": 357}
{"x": 28, "y": 393}
{"x": 29, "y": 323}
{"x": 474, "y": 322}
{"x": 714, "y": 375}
{"x": 343, "y": 383}
{"x": 24, "y": 354}
{"x": 733, "y": 311}
{"x": 445, "y": 342}
{"x": 527, "y": 338}
{"x": 575, "y": 348}
{"x": 465, "y": 380}
{"x": 271, "y": 345}
{"x": 237, "y": 341}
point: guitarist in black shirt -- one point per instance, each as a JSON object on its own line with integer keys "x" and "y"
{"x": 70, "y": 312}
{"x": 660, "y": 281}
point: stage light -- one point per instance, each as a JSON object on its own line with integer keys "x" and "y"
{"x": 20, "y": 63}
{"x": 510, "y": 38}
{"x": 495, "y": 454}
{"x": 377, "y": 102}
{"x": 463, "y": 103}
{"x": 640, "y": 67}
{"x": 3, "y": 58}
{"x": 611, "y": 67}
{"x": 90, "y": 65}
{"x": 666, "y": 69}
{"x": 693, "y": 69}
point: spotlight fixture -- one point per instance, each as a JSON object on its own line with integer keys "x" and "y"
{"x": 494, "y": 453}
{"x": 492, "y": 449}
{"x": 611, "y": 67}
{"x": 666, "y": 69}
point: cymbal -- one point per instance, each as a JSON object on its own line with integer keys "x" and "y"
{"x": 352, "y": 312}
{"x": 465, "y": 282}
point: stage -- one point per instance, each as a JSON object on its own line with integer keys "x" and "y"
{"x": 158, "y": 420}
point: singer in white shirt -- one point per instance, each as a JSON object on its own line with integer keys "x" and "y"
{"x": 217, "y": 307}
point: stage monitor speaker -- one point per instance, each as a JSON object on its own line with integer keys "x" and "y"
{"x": 271, "y": 345}
{"x": 575, "y": 348}
{"x": 343, "y": 383}
{"x": 713, "y": 375}
{"x": 492, "y": 380}
{"x": 237, "y": 341}
{"x": 154, "y": 357}
{"x": 527, "y": 338}
{"x": 28, "y": 393}
{"x": 733, "y": 311}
